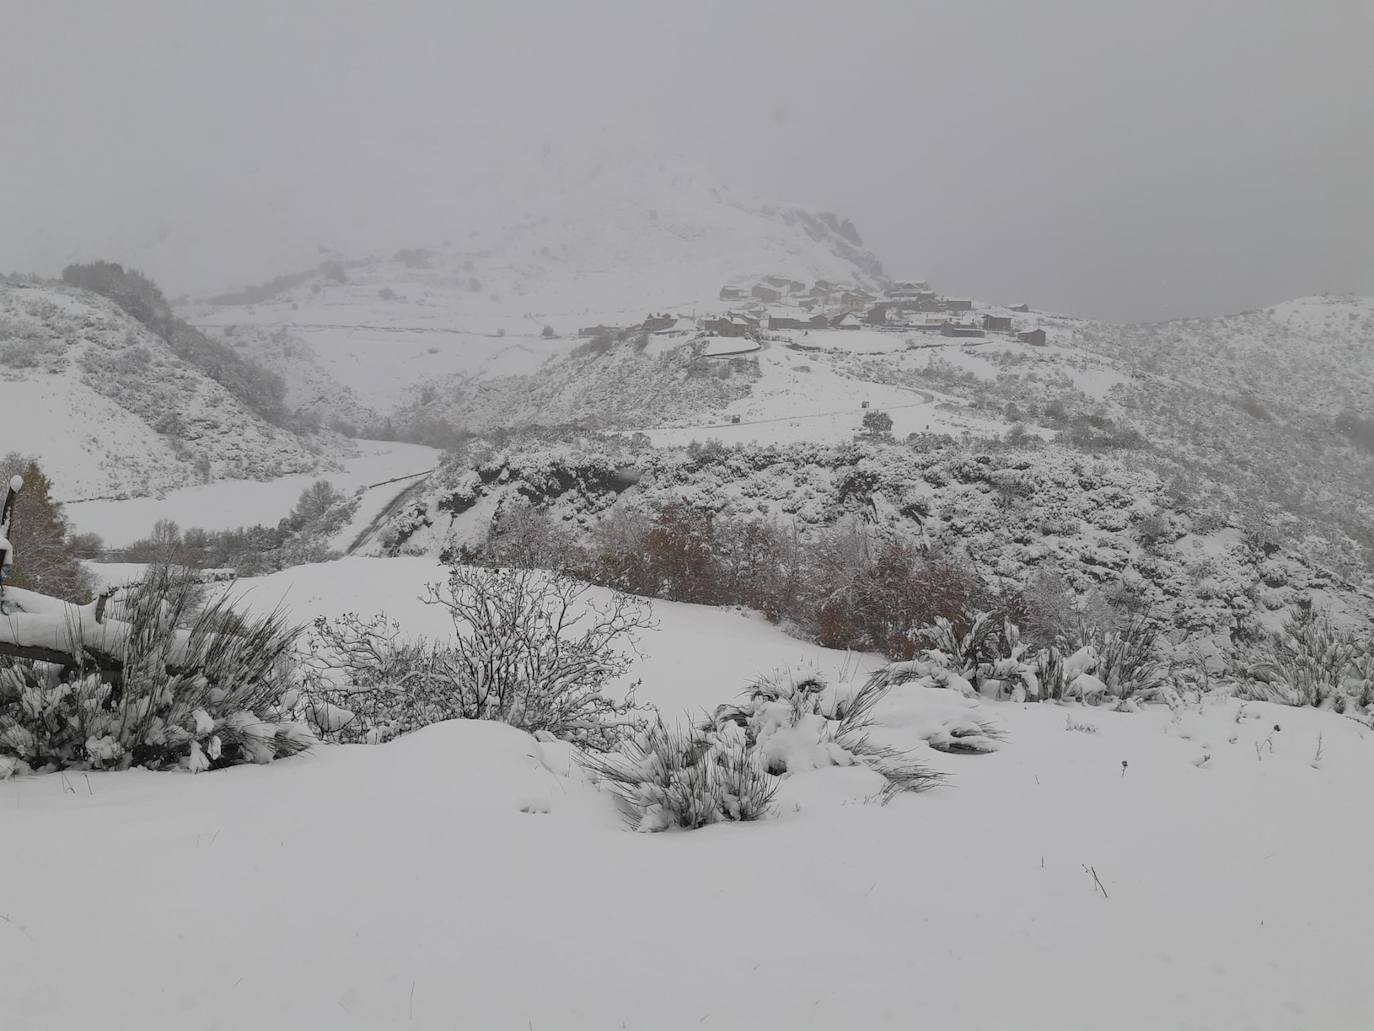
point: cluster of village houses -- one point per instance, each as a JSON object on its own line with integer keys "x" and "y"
{"x": 781, "y": 303}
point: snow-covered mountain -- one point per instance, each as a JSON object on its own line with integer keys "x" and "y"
{"x": 1259, "y": 412}
{"x": 572, "y": 240}
{"x": 111, "y": 411}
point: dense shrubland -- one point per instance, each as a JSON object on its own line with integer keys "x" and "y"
{"x": 844, "y": 587}
{"x": 864, "y": 546}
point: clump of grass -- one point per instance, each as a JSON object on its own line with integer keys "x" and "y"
{"x": 666, "y": 777}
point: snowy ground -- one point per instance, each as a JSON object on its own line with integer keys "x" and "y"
{"x": 226, "y": 504}
{"x": 460, "y": 878}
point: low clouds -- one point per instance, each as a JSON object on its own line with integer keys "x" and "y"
{"x": 1124, "y": 160}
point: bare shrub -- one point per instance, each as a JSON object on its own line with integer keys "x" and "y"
{"x": 530, "y": 648}
{"x": 527, "y": 537}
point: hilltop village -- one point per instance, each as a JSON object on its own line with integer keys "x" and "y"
{"x": 777, "y": 303}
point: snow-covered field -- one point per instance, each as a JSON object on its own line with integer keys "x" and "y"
{"x": 1192, "y": 869}
{"x": 226, "y": 504}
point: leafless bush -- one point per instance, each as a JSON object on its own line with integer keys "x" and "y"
{"x": 530, "y": 648}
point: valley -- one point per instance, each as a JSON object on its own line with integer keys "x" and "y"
{"x": 1072, "y": 568}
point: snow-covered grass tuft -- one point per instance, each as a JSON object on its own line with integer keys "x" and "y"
{"x": 1311, "y": 661}
{"x": 668, "y": 778}
{"x": 1129, "y": 662}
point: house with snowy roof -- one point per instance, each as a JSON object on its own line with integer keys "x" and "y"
{"x": 788, "y": 318}
{"x": 655, "y": 323}
{"x": 731, "y": 324}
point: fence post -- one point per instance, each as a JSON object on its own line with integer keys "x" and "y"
{"x": 16, "y": 484}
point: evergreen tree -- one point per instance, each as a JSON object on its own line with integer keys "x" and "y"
{"x": 44, "y": 550}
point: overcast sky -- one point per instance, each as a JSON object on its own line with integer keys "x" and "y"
{"x": 1118, "y": 159}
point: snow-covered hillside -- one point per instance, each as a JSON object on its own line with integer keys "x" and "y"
{"x": 582, "y": 239}
{"x": 110, "y": 411}
{"x": 1310, "y": 353}
{"x": 1196, "y": 867}
{"x": 1108, "y": 524}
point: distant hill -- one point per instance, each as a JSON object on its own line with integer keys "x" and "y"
{"x": 111, "y": 410}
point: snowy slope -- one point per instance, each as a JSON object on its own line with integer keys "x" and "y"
{"x": 1308, "y": 353}
{"x": 111, "y": 411}
{"x": 1197, "y": 868}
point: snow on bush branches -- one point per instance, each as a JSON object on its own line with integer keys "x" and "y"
{"x": 530, "y": 648}
{"x": 156, "y": 680}
{"x": 730, "y": 766}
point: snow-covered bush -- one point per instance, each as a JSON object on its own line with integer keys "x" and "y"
{"x": 1122, "y": 662}
{"x": 801, "y": 722}
{"x": 1312, "y": 661}
{"x": 1130, "y": 663}
{"x": 183, "y": 685}
{"x": 970, "y": 649}
{"x": 530, "y": 648}
{"x": 729, "y": 767}
{"x": 669, "y": 778}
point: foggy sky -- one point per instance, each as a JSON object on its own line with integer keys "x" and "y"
{"x": 1117, "y": 159}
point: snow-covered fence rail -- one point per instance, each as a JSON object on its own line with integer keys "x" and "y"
{"x": 35, "y": 626}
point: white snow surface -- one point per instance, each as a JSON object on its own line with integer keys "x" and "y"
{"x": 466, "y": 877}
